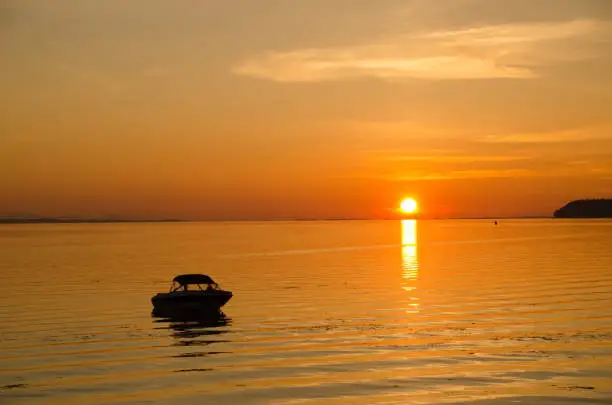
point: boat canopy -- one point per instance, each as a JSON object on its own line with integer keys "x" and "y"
{"x": 184, "y": 279}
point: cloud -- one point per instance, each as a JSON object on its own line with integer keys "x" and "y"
{"x": 591, "y": 171}
{"x": 508, "y": 51}
{"x": 573, "y": 135}
{"x": 464, "y": 175}
{"x": 103, "y": 80}
{"x": 155, "y": 72}
{"x": 452, "y": 158}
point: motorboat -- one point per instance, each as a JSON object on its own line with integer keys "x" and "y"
{"x": 191, "y": 294}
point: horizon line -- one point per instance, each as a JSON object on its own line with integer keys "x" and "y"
{"x": 59, "y": 220}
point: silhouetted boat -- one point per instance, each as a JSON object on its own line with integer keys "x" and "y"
{"x": 183, "y": 301}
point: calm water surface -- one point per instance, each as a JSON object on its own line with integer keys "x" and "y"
{"x": 355, "y": 312}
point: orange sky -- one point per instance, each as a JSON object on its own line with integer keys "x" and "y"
{"x": 240, "y": 109}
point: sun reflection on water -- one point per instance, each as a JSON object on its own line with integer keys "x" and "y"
{"x": 410, "y": 263}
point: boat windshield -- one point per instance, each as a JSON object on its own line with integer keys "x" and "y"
{"x": 194, "y": 287}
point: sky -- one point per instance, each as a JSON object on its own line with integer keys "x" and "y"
{"x": 267, "y": 109}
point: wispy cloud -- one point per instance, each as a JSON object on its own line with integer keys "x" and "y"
{"x": 111, "y": 82}
{"x": 573, "y": 135}
{"x": 590, "y": 170}
{"x": 452, "y": 158}
{"x": 495, "y": 167}
{"x": 87, "y": 75}
{"x": 511, "y": 51}
{"x": 463, "y": 175}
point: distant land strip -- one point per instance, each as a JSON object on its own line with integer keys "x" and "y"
{"x": 591, "y": 208}
{"x": 11, "y": 220}
{"x": 8, "y": 220}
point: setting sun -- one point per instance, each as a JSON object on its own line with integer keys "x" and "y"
{"x": 409, "y": 206}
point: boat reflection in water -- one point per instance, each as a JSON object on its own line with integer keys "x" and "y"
{"x": 410, "y": 263}
{"x": 197, "y": 335}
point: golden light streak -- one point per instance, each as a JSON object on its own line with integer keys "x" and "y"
{"x": 410, "y": 264}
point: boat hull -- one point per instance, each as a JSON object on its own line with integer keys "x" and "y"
{"x": 189, "y": 303}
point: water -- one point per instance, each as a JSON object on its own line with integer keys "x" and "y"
{"x": 341, "y": 312}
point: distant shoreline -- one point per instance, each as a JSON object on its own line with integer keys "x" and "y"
{"x": 79, "y": 221}
{"x": 589, "y": 208}
{"x": 9, "y": 221}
